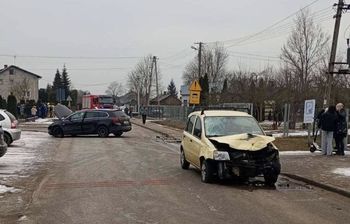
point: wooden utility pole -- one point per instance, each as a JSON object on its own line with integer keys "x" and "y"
{"x": 199, "y": 58}
{"x": 156, "y": 73}
{"x": 333, "y": 53}
{"x": 150, "y": 82}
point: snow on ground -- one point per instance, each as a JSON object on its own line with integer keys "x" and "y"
{"x": 303, "y": 153}
{"x": 342, "y": 171}
{"x": 22, "y": 155}
{"x": 40, "y": 121}
{"x": 5, "y": 189}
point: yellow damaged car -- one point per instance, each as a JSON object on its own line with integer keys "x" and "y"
{"x": 225, "y": 144}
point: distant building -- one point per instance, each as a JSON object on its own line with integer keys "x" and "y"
{"x": 129, "y": 99}
{"x": 184, "y": 95}
{"x": 21, "y": 83}
{"x": 166, "y": 100}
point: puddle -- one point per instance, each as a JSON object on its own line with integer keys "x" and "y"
{"x": 285, "y": 184}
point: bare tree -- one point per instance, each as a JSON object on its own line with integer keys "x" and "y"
{"x": 21, "y": 89}
{"x": 115, "y": 89}
{"x": 303, "y": 52}
{"x": 140, "y": 79}
{"x": 214, "y": 60}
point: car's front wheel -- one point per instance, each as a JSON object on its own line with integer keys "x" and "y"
{"x": 207, "y": 171}
{"x": 270, "y": 179}
{"x": 57, "y": 132}
{"x": 102, "y": 131}
{"x": 184, "y": 163}
{"x": 7, "y": 139}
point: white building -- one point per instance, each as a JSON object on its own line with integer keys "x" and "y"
{"x": 21, "y": 83}
{"x": 185, "y": 95}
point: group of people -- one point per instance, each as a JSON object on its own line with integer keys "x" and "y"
{"x": 332, "y": 122}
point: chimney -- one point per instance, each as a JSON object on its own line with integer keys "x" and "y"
{"x": 5, "y": 66}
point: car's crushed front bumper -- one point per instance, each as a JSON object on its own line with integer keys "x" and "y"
{"x": 250, "y": 164}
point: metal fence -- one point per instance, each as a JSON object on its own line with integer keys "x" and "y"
{"x": 181, "y": 113}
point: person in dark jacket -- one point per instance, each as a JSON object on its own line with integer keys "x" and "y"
{"x": 341, "y": 129}
{"x": 328, "y": 122}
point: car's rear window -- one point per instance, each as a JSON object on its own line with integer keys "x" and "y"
{"x": 118, "y": 113}
{"x": 12, "y": 118}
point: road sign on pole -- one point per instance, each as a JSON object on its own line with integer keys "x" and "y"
{"x": 309, "y": 111}
{"x": 195, "y": 93}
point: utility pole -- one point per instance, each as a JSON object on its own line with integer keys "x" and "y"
{"x": 199, "y": 59}
{"x": 156, "y": 73}
{"x": 333, "y": 53}
{"x": 150, "y": 82}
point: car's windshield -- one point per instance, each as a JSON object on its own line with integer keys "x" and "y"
{"x": 106, "y": 100}
{"x": 229, "y": 125}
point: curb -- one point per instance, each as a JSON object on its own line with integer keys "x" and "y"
{"x": 151, "y": 129}
{"x": 318, "y": 184}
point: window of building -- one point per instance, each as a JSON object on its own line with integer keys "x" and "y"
{"x": 12, "y": 71}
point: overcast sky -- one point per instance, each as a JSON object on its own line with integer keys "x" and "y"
{"x": 135, "y": 28}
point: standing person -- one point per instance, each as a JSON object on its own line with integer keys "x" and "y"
{"x": 126, "y": 110}
{"x": 341, "y": 129}
{"x": 130, "y": 112}
{"x": 328, "y": 122}
{"x": 143, "y": 114}
{"x": 34, "y": 111}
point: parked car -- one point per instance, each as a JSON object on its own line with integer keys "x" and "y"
{"x": 91, "y": 121}
{"x": 9, "y": 124}
{"x": 3, "y": 146}
{"x": 226, "y": 144}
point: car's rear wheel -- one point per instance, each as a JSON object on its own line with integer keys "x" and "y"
{"x": 7, "y": 139}
{"x": 57, "y": 132}
{"x": 118, "y": 133}
{"x": 102, "y": 131}
{"x": 207, "y": 171}
{"x": 270, "y": 179}
{"x": 184, "y": 163}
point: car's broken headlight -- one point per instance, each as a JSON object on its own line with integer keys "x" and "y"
{"x": 218, "y": 155}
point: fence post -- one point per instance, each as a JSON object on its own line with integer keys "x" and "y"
{"x": 286, "y": 120}
{"x": 347, "y": 122}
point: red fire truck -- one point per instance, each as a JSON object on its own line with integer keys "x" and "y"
{"x": 97, "y": 101}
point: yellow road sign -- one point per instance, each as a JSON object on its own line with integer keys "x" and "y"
{"x": 195, "y": 92}
{"x": 195, "y": 86}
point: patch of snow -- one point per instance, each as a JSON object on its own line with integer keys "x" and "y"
{"x": 5, "y": 189}
{"x": 342, "y": 171}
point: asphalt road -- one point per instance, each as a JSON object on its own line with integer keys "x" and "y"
{"x": 137, "y": 179}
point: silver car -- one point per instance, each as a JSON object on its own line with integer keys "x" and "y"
{"x": 9, "y": 124}
{"x": 3, "y": 145}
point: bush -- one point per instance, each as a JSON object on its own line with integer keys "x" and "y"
{"x": 12, "y": 105}
{"x": 3, "y": 104}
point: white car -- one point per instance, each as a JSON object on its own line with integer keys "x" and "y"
{"x": 9, "y": 125}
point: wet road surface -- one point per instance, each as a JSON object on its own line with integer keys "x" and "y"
{"x": 138, "y": 179}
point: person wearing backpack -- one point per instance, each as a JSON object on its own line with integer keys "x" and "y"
{"x": 341, "y": 129}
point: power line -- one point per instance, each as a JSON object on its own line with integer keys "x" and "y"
{"x": 245, "y": 38}
{"x": 68, "y": 57}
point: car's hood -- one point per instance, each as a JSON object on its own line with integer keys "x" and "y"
{"x": 245, "y": 141}
{"x": 62, "y": 111}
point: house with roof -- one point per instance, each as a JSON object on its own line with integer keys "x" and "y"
{"x": 166, "y": 100}
{"x": 24, "y": 85}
